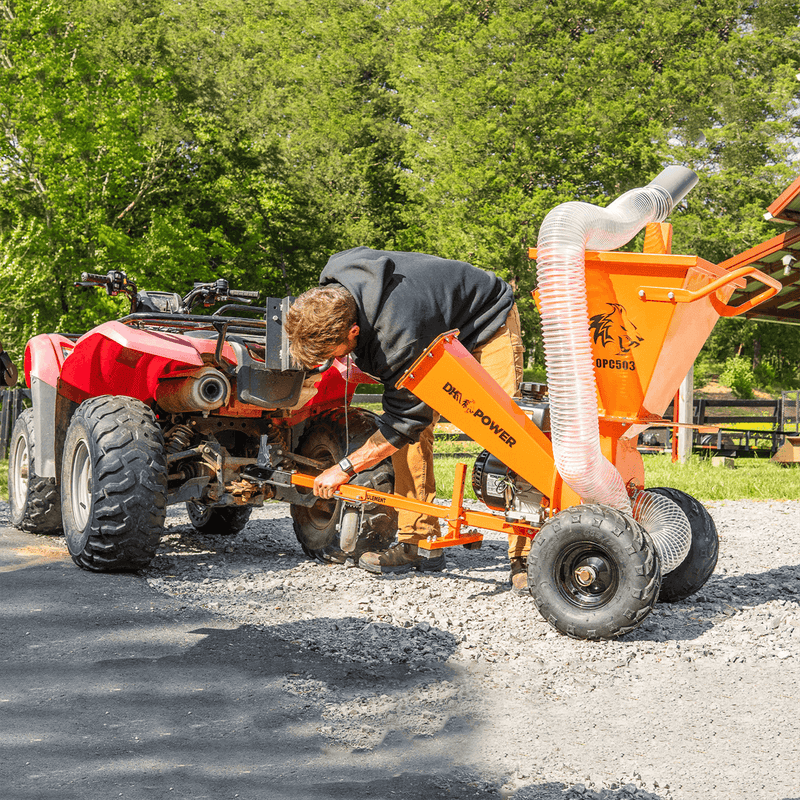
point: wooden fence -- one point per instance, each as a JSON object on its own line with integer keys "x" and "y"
{"x": 761, "y": 426}
{"x": 776, "y": 419}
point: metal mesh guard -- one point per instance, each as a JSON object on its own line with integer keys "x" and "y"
{"x": 667, "y": 526}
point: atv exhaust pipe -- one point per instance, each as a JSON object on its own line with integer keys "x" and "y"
{"x": 204, "y": 390}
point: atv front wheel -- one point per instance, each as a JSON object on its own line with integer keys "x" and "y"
{"x": 693, "y": 572}
{"x": 316, "y": 526}
{"x": 593, "y": 572}
{"x": 113, "y": 485}
{"x": 220, "y": 521}
{"x": 35, "y": 504}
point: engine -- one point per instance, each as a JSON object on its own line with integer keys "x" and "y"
{"x": 500, "y": 488}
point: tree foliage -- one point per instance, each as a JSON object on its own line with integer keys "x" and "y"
{"x": 250, "y": 140}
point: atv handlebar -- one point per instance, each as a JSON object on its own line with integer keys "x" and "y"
{"x": 243, "y": 294}
{"x": 115, "y": 282}
{"x": 208, "y": 294}
{"x": 92, "y": 277}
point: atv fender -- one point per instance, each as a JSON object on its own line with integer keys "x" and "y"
{"x": 44, "y": 359}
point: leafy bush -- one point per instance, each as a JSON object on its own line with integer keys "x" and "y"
{"x": 738, "y": 376}
{"x": 765, "y": 376}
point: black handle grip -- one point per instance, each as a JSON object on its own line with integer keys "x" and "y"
{"x": 321, "y": 368}
{"x": 94, "y": 277}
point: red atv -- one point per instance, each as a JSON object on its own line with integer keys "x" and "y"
{"x": 168, "y": 406}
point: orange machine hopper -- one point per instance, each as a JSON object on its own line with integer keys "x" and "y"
{"x": 448, "y": 378}
{"x": 649, "y": 316}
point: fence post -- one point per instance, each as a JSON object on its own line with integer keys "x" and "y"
{"x": 676, "y": 404}
{"x": 686, "y": 415}
{"x": 6, "y": 397}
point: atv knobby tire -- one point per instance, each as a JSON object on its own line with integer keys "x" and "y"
{"x": 35, "y": 502}
{"x": 692, "y": 573}
{"x": 220, "y": 521}
{"x": 316, "y": 526}
{"x": 593, "y": 572}
{"x": 113, "y": 485}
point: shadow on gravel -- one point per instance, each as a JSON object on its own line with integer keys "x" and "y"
{"x": 308, "y": 649}
{"x": 109, "y": 689}
{"x": 752, "y": 589}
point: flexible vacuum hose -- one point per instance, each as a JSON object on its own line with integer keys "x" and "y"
{"x": 566, "y": 233}
{"x": 667, "y": 526}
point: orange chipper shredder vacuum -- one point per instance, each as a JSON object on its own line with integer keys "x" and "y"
{"x": 620, "y": 332}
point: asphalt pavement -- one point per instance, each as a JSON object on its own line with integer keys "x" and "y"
{"x": 109, "y": 689}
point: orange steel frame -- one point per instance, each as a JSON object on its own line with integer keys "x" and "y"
{"x": 657, "y": 289}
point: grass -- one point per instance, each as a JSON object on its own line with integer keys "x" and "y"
{"x": 4, "y": 480}
{"x": 752, "y": 478}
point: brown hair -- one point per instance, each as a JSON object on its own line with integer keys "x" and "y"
{"x": 318, "y": 322}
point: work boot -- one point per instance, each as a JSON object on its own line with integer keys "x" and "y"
{"x": 519, "y": 576}
{"x": 402, "y": 557}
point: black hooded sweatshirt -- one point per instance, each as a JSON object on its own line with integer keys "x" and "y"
{"x": 406, "y": 300}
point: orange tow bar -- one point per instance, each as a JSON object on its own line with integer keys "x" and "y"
{"x": 455, "y": 514}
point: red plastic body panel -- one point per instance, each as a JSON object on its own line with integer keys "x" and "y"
{"x": 44, "y": 357}
{"x": 116, "y": 359}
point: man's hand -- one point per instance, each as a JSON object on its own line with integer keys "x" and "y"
{"x": 326, "y": 483}
{"x": 372, "y": 452}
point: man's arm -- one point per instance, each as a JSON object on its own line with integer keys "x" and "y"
{"x": 372, "y": 452}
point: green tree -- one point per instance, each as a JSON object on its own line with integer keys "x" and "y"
{"x": 250, "y": 140}
{"x": 515, "y": 107}
{"x": 80, "y": 155}
{"x": 115, "y": 156}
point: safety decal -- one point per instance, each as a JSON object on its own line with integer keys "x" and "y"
{"x": 615, "y": 330}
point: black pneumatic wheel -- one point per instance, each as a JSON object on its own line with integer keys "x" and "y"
{"x": 593, "y": 572}
{"x": 113, "y": 485}
{"x": 35, "y": 503}
{"x": 221, "y": 521}
{"x": 692, "y": 573}
{"x": 315, "y": 526}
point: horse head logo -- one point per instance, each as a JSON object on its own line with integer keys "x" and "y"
{"x": 615, "y": 328}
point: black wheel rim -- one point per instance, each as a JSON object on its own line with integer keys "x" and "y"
{"x": 587, "y": 575}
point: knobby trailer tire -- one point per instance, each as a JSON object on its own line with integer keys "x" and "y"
{"x": 113, "y": 485}
{"x": 693, "y": 572}
{"x": 593, "y": 572}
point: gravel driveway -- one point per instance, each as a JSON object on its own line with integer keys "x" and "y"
{"x": 699, "y": 702}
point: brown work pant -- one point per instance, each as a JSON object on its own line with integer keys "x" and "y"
{"x": 502, "y": 358}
